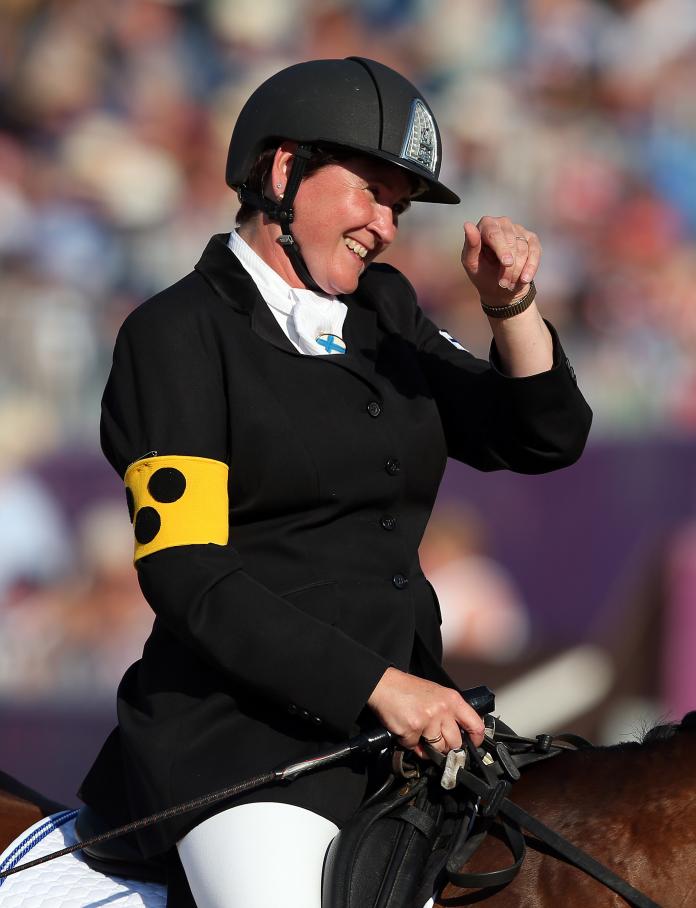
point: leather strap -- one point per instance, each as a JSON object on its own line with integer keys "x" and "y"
{"x": 418, "y": 818}
{"x": 459, "y": 857}
{"x": 284, "y": 213}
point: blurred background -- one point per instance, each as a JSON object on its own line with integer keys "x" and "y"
{"x": 573, "y": 595}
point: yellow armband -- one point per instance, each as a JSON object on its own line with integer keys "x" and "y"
{"x": 177, "y": 500}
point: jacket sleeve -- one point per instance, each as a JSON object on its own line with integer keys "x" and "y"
{"x": 492, "y": 421}
{"x": 165, "y": 403}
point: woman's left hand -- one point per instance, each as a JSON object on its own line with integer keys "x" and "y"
{"x": 501, "y": 258}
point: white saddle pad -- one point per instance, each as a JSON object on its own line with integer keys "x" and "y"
{"x": 66, "y": 882}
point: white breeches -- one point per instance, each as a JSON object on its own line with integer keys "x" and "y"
{"x": 257, "y": 855}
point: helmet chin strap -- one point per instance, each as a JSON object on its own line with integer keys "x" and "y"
{"x": 284, "y": 213}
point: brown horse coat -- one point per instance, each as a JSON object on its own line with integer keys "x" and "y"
{"x": 631, "y": 806}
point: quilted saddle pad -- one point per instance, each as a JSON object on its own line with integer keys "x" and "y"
{"x": 66, "y": 882}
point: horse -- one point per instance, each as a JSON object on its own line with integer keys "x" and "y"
{"x": 631, "y": 806}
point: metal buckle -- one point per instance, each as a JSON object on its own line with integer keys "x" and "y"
{"x": 543, "y": 743}
{"x": 402, "y": 767}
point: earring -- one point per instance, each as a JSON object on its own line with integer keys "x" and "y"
{"x": 278, "y": 185}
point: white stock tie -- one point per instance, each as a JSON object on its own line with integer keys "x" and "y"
{"x": 319, "y": 325}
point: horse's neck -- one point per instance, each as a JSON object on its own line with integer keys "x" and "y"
{"x": 631, "y": 807}
{"x": 586, "y": 788}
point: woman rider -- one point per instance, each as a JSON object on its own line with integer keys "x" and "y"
{"x": 282, "y": 417}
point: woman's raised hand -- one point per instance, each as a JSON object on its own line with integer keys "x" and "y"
{"x": 501, "y": 259}
{"x": 413, "y": 708}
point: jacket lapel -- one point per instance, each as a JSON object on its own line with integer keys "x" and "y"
{"x": 265, "y": 324}
{"x": 360, "y": 336}
{"x": 232, "y": 282}
{"x": 224, "y": 272}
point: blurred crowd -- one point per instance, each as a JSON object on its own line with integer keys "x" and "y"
{"x": 574, "y": 117}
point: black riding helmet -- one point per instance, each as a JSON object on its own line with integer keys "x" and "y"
{"x": 356, "y": 104}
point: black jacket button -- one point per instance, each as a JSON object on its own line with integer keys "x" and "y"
{"x": 392, "y": 466}
{"x": 399, "y": 581}
{"x": 373, "y": 408}
{"x": 316, "y": 720}
{"x": 305, "y": 714}
{"x": 292, "y": 709}
{"x": 387, "y": 522}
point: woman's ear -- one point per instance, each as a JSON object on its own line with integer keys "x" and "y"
{"x": 281, "y": 169}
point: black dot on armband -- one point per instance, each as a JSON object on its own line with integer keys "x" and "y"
{"x": 147, "y": 525}
{"x": 167, "y": 484}
{"x": 130, "y": 501}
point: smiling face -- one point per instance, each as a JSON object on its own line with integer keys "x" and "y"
{"x": 346, "y": 214}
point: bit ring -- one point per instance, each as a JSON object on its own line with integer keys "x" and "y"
{"x": 524, "y": 238}
{"x": 434, "y": 740}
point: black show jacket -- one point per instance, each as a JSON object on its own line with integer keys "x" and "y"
{"x": 265, "y": 649}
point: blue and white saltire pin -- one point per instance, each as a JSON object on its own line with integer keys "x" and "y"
{"x": 453, "y": 340}
{"x": 331, "y": 343}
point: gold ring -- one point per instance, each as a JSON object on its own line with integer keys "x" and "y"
{"x": 434, "y": 740}
{"x": 522, "y": 238}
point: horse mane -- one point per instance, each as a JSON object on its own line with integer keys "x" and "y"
{"x": 667, "y": 730}
{"x": 611, "y": 775}
{"x": 650, "y": 735}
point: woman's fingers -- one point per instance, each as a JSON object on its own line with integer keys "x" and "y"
{"x": 533, "y": 256}
{"x": 449, "y": 737}
{"x": 498, "y": 235}
{"x": 471, "y": 252}
{"x": 511, "y": 278}
{"x": 500, "y": 255}
{"x": 452, "y": 735}
{"x": 415, "y": 710}
{"x": 469, "y": 721}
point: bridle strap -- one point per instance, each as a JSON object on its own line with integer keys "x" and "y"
{"x": 466, "y": 845}
{"x": 284, "y": 213}
{"x": 460, "y": 855}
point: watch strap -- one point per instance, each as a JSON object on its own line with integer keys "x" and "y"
{"x": 514, "y": 308}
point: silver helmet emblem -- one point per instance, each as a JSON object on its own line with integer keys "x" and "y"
{"x": 420, "y": 140}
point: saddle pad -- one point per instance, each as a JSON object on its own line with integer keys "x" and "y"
{"x": 66, "y": 882}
